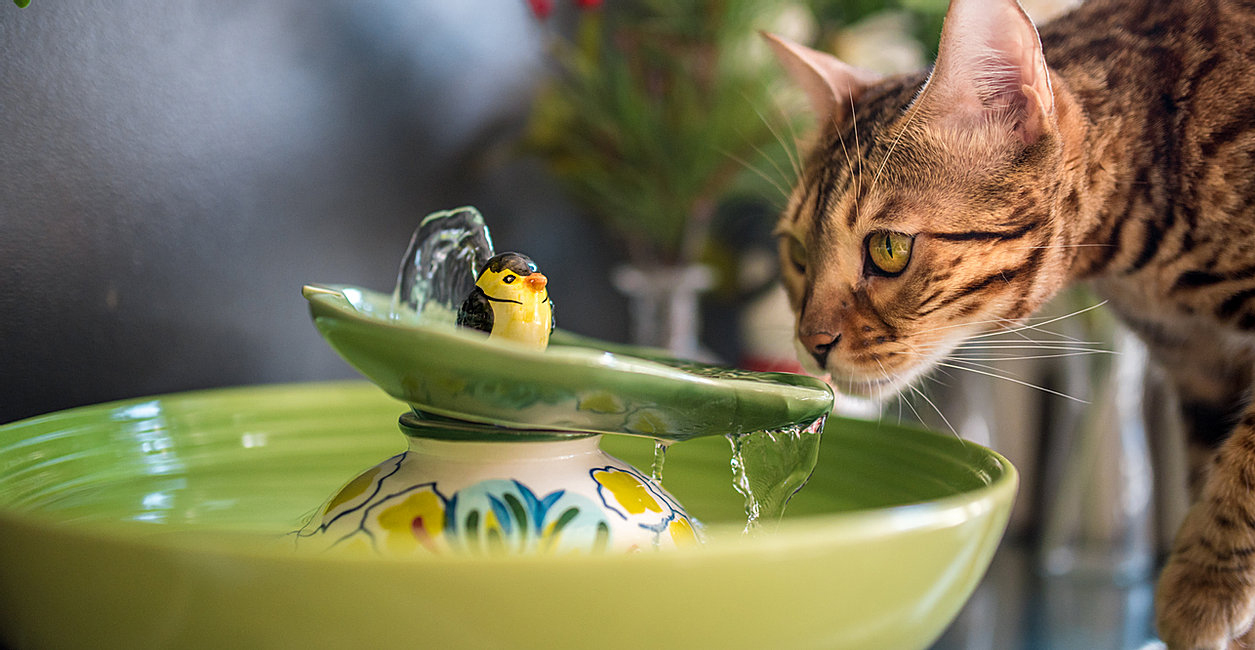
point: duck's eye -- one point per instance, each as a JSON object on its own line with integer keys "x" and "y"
{"x": 796, "y": 254}
{"x": 509, "y": 279}
{"x": 888, "y": 253}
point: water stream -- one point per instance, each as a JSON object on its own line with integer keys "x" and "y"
{"x": 440, "y": 265}
{"x": 660, "y": 459}
{"x": 769, "y": 467}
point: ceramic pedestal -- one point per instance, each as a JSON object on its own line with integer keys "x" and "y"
{"x": 452, "y": 491}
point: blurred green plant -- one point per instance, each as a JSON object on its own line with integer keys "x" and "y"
{"x": 926, "y": 17}
{"x": 22, "y": 3}
{"x": 659, "y": 111}
{"x": 654, "y": 113}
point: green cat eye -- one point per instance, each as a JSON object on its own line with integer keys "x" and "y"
{"x": 889, "y": 252}
{"x": 796, "y": 253}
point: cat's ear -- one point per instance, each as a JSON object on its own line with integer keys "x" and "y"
{"x": 829, "y": 83}
{"x": 990, "y": 66}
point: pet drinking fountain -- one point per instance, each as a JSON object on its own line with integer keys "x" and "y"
{"x": 166, "y": 521}
{"x": 504, "y": 436}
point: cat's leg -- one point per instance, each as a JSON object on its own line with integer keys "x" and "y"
{"x": 1206, "y": 593}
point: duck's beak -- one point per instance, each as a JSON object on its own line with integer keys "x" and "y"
{"x": 536, "y": 282}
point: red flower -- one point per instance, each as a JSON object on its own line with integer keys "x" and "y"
{"x": 588, "y": 4}
{"x": 542, "y": 8}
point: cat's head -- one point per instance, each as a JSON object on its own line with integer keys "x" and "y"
{"x": 923, "y": 215}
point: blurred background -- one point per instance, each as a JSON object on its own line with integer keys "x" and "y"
{"x": 171, "y": 174}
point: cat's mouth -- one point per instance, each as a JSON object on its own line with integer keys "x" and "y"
{"x": 880, "y": 383}
{"x": 878, "y": 388}
{"x": 854, "y": 384}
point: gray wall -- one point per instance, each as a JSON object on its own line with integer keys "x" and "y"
{"x": 171, "y": 173}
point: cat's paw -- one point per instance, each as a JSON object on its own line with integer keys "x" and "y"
{"x": 1200, "y": 606}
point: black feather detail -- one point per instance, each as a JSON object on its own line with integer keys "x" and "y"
{"x": 476, "y": 312}
{"x": 517, "y": 262}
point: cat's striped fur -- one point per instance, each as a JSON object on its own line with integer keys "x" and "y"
{"x": 1128, "y": 161}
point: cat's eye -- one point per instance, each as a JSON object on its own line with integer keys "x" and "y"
{"x": 888, "y": 252}
{"x": 796, "y": 253}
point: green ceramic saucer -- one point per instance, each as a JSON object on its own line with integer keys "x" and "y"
{"x": 162, "y": 522}
{"x": 576, "y": 385}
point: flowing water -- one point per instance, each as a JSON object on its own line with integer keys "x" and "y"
{"x": 769, "y": 467}
{"x": 660, "y": 459}
{"x": 439, "y": 269}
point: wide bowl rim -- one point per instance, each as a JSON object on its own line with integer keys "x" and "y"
{"x": 792, "y": 534}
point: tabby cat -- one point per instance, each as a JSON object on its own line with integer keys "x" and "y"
{"x": 1117, "y": 148}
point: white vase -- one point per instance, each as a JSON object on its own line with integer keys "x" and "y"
{"x": 663, "y": 302}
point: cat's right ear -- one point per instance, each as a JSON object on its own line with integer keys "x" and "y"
{"x": 831, "y": 84}
{"x": 991, "y": 69}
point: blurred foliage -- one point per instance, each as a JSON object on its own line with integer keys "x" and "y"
{"x": 655, "y": 109}
{"x": 660, "y": 111}
{"x": 926, "y": 17}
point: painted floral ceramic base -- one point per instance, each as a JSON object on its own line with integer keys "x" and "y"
{"x": 546, "y": 495}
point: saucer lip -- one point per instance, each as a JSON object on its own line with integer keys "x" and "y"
{"x": 737, "y": 396}
{"x": 989, "y": 502}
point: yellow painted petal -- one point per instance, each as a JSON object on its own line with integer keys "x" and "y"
{"x": 415, "y": 521}
{"x": 355, "y": 488}
{"x": 628, "y": 491}
{"x": 682, "y": 532}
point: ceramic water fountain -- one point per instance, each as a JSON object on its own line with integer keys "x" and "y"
{"x": 172, "y": 514}
{"x": 503, "y": 435}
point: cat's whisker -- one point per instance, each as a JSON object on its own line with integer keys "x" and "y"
{"x": 797, "y": 172}
{"x": 789, "y": 152}
{"x": 795, "y": 156}
{"x": 975, "y": 323}
{"x": 786, "y": 182}
{"x": 1038, "y": 326}
{"x": 892, "y": 145}
{"x": 1029, "y": 357}
{"x": 1045, "y": 246}
{"x": 904, "y": 399}
{"x": 858, "y": 151}
{"x": 990, "y": 372}
{"x": 1030, "y": 344}
{"x": 761, "y": 174}
{"x": 943, "y": 417}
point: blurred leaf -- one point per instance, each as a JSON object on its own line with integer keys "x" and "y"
{"x": 653, "y": 113}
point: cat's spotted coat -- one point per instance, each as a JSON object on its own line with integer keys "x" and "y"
{"x": 1118, "y": 149}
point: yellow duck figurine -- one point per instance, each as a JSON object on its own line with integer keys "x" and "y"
{"x": 510, "y": 301}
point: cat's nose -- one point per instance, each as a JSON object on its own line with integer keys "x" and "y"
{"x": 819, "y": 344}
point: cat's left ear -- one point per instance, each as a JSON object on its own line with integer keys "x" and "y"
{"x": 990, "y": 67}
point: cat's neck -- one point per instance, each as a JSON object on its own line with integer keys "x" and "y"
{"x": 1093, "y": 173}
{"x": 1118, "y": 129}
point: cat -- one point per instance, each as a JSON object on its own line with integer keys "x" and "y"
{"x": 1115, "y": 147}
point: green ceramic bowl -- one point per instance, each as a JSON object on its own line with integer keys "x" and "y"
{"x": 161, "y": 523}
